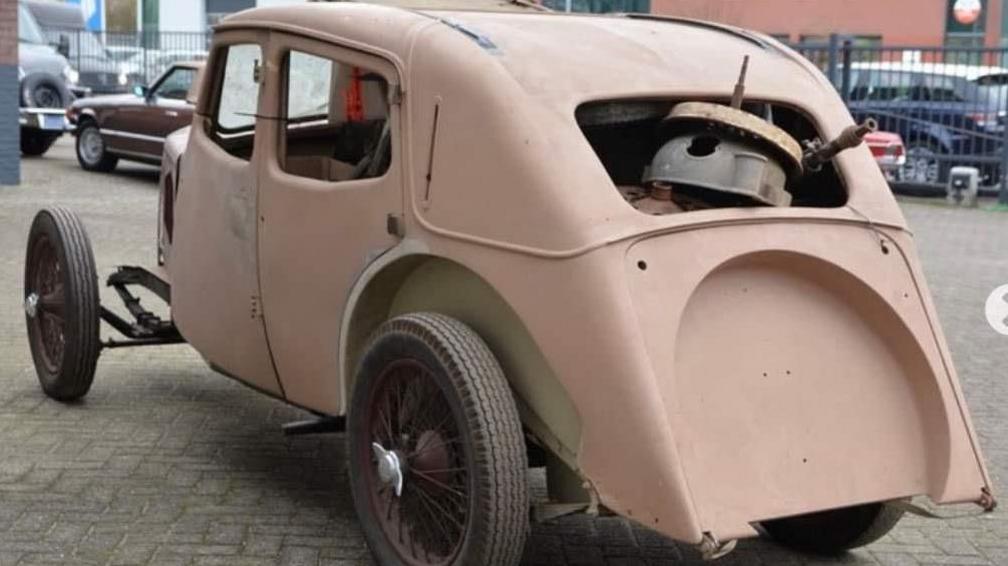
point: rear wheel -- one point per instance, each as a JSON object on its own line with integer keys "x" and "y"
{"x": 836, "y": 530}
{"x": 61, "y": 304}
{"x": 91, "y": 151}
{"x": 437, "y": 457}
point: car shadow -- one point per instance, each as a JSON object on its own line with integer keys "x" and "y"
{"x": 302, "y": 481}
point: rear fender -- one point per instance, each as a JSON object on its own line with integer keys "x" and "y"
{"x": 410, "y": 280}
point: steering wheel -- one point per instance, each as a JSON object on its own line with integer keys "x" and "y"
{"x": 377, "y": 159}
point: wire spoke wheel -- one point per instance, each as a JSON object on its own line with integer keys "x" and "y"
{"x": 409, "y": 416}
{"x": 436, "y": 452}
{"x": 46, "y": 301}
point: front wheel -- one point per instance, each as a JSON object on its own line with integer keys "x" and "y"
{"x": 437, "y": 457}
{"x": 836, "y": 530}
{"x": 61, "y": 304}
{"x": 91, "y": 151}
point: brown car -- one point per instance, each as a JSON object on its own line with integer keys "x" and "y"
{"x": 134, "y": 126}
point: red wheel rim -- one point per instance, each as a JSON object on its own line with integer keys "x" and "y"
{"x": 47, "y": 325}
{"x": 409, "y": 415}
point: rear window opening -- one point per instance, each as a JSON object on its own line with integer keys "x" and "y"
{"x": 664, "y": 163}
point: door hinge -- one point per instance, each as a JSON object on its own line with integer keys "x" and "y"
{"x": 256, "y": 71}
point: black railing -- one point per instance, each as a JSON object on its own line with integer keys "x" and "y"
{"x": 949, "y": 104}
{"x": 109, "y": 62}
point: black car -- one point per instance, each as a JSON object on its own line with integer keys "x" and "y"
{"x": 947, "y": 115}
{"x": 46, "y": 87}
{"x": 63, "y": 24}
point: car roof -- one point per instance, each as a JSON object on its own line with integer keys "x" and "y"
{"x": 467, "y": 5}
{"x": 968, "y": 72}
{"x": 546, "y": 52}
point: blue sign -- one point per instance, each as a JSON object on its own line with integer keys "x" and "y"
{"x": 94, "y": 13}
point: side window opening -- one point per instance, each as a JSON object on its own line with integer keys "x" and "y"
{"x": 176, "y": 85}
{"x": 233, "y": 125}
{"x": 335, "y": 123}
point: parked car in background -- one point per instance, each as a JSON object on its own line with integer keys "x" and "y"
{"x": 63, "y": 23}
{"x": 158, "y": 61}
{"x": 889, "y": 152}
{"x": 134, "y": 126}
{"x": 123, "y": 53}
{"x": 45, "y": 80}
{"x": 946, "y": 114}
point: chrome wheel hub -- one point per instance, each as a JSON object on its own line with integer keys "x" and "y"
{"x": 31, "y": 305}
{"x": 390, "y": 467}
{"x": 91, "y": 145}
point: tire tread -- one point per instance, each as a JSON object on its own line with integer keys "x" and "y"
{"x": 74, "y": 378}
{"x": 498, "y": 443}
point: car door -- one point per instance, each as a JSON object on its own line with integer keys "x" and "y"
{"x": 139, "y": 127}
{"x": 168, "y": 107}
{"x": 327, "y": 188}
{"x": 213, "y": 259}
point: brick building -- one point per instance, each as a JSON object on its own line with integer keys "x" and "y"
{"x": 10, "y": 149}
{"x": 888, "y": 22}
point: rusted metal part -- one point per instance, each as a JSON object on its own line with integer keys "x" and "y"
{"x": 739, "y": 94}
{"x": 655, "y": 200}
{"x": 712, "y": 549}
{"x": 718, "y": 170}
{"x": 742, "y": 124}
{"x": 817, "y": 153}
{"x": 621, "y": 112}
{"x": 987, "y": 501}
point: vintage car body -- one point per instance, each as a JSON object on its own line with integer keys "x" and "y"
{"x": 134, "y": 126}
{"x": 699, "y": 372}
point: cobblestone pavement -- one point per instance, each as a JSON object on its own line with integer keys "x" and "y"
{"x": 166, "y": 462}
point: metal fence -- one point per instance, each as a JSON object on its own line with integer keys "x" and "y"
{"x": 109, "y": 62}
{"x": 599, "y": 6}
{"x": 949, "y": 104}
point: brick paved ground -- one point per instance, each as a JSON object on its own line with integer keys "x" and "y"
{"x": 166, "y": 462}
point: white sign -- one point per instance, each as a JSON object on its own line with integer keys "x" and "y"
{"x": 966, "y": 11}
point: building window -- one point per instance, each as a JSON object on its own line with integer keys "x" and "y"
{"x": 964, "y": 35}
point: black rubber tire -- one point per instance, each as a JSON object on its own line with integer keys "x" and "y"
{"x": 484, "y": 411}
{"x": 34, "y": 143}
{"x": 106, "y": 162}
{"x": 69, "y": 377}
{"x": 44, "y": 90}
{"x": 837, "y": 530}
